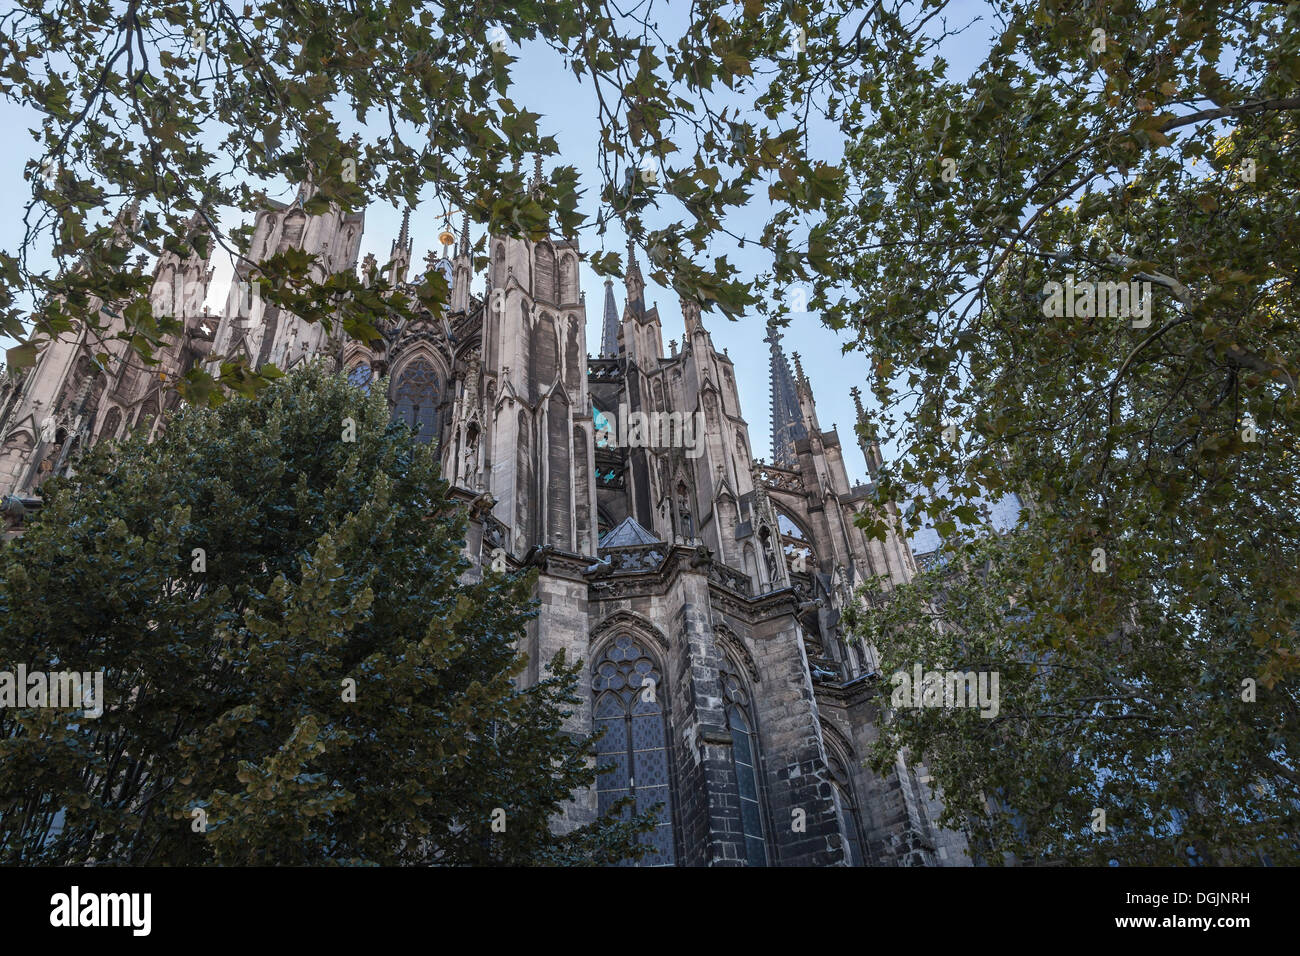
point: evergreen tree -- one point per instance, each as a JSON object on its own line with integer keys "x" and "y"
{"x": 298, "y": 667}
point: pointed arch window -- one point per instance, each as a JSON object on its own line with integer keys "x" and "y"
{"x": 147, "y": 416}
{"x": 544, "y": 287}
{"x": 360, "y": 377}
{"x": 628, "y": 691}
{"x": 795, "y": 544}
{"x": 568, "y": 279}
{"x": 112, "y": 423}
{"x": 847, "y": 809}
{"x": 416, "y": 393}
{"x": 745, "y": 757}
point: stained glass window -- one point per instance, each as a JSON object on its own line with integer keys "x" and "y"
{"x": 606, "y": 434}
{"x": 360, "y": 377}
{"x": 415, "y": 399}
{"x": 628, "y": 692}
{"x": 849, "y": 824}
{"x": 744, "y": 755}
{"x": 112, "y": 423}
{"x": 848, "y": 812}
{"x": 146, "y": 417}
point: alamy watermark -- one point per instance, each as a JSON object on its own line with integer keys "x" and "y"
{"x": 71, "y": 690}
{"x": 651, "y": 430}
{"x": 1086, "y": 299}
{"x": 77, "y": 909}
{"x": 947, "y": 689}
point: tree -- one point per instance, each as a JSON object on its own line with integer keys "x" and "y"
{"x": 158, "y": 117}
{"x": 296, "y": 668}
{"x": 1186, "y": 757}
{"x": 1074, "y": 274}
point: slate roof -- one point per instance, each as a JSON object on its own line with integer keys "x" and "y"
{"x": 627, "y": 534}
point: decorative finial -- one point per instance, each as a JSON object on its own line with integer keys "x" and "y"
{"x": 857, "y": 401}
{"x": 404, "y": 236}
{"x": 401, "y": 251}
{"x": 446, "y": 237}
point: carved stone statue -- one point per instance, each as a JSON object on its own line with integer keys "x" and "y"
{"x": 472, "y": 377}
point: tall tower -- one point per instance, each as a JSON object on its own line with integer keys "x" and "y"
{"x": 540, "y": 442}
{"x": 535, "y": 364}
{"x": 787, "y": 423}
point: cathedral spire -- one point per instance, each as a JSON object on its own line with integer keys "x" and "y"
{"x": 866, "y": 430}
{"x": 404, "y": 237}
{"x": 798, "y": 370}
{"x": 306, "y": 190}
{"x": 631, "y": 259}
{"x": 464, "y": 233}
{"x": 609, "y": 330}
{"x": 690, "y": 318}
{"x": 787, "y": 422}
{"x": 401, "y": 251}
{"x": 857, "y": 403}
{"x": 635, "y": 284}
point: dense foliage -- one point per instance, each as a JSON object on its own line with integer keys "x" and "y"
{"x": 1131, "y": 142}
{"x": 193, "y": 109}
{"x": 319, "y": 680}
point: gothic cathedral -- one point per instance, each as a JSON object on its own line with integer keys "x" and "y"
{"x": 685, "y": 568}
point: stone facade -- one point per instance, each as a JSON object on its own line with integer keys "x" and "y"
{"x": 65, "y": 403}
{"x": 703, "y": 587}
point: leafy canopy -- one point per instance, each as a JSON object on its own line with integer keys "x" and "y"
{"x": 191, "y": 109}
{"x": 1146, "y": 143}
{"x": 1153, "y": 726}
